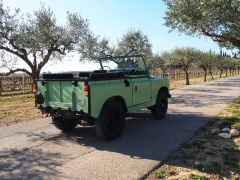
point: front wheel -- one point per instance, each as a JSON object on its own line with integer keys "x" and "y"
{"x": 110, "y": 123}
{"x": 159, "y": 110}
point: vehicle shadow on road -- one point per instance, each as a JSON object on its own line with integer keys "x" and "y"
{"x": 27, "y": 164}
{"x": 30, "y": 164}
{"x": 143, "y": 137}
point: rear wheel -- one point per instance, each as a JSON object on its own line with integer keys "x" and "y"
{"x": 64, "y": 124}
{"x": 159, "y": 110}
{"x": 110, "y": 123}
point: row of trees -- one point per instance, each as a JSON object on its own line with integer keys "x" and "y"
{"x": 36, "y": 38}
{"x": 187, "y": 58}
{"x": 218, "y": 20}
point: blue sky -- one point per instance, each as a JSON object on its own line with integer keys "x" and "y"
{"x": 111, "y": 18}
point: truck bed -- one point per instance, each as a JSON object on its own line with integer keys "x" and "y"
{"x": 88, "y": 75}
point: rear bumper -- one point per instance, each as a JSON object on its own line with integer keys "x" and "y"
{"x": 64, "y": 112}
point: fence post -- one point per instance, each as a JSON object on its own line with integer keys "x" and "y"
{"x": 23, "y": 81}
{"x": 0, "y": 86}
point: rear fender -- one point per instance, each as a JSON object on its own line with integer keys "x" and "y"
{"x": 115, "y": 98}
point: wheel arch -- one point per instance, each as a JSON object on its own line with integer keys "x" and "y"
{"x": 116, "y": 99}
{"x": 166, "y": 90}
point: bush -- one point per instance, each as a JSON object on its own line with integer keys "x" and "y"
{"x": 160, "y": 174}
{"x": 236, "y": 126}
{"x": 198, "y": 177}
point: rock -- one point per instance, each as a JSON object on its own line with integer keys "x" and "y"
{"x": 215, "y": 131}
{"x": 196, "y": 163}
{"x": 225, "y": 135}
{"x": 226, "y": 129}
{"x": 234, "y": 132}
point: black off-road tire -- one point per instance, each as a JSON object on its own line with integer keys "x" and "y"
{"x": 63, "y": 124}
{"x": 159, "y": 110}
{"x": 110, "y": 123}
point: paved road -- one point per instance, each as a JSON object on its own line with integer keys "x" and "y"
{"x": 38, "y": 150}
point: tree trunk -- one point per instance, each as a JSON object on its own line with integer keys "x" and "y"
{"x": 163, "y": 72}
{"x": 226, "y": 72}
{"x": 35, "y": 75}
{"x": 230, "y": 72}
{"x": 187, "y": 77}
{"x": 221, "y": 71}
{"x": 0, "y": 86}
{"x": 205, "y": 75}
{"x": 210, "y": 72}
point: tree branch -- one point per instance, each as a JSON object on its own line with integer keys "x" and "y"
{"x": 34, "y": 59}
{"x": 22, "y": 50}
{"x": 221, "y": 38}
{"x": 18, "y": 70}
{"x": 24, "y": 58}
{"x": 61, "y": 51}
{"x": 46, "y": 58}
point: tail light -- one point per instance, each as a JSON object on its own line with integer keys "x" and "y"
{"x": 86, "y": 90}
{"x": 35, "y": 87}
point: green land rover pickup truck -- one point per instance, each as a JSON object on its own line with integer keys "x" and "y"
{"x": 102, "y": 97}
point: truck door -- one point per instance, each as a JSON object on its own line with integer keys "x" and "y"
{"x": 141, "y": 88}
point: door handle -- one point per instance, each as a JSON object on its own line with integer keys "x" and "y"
{"x": 127, "y": 83}
{"x": 135, "y": 88}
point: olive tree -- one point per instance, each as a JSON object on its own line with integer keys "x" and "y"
{"x": 221, "y": 64}
{"x": 161, "y": 61}
{"x": 36, "y": 38}
{"x": 218, "y": 20}
{"x": 132, "y": 42}
{"x": 203, "y": 63}
{"x": 135, "y": 42}
{"x": 184, "y": 59}
{"x": 94, "y": 48}
{"x": 238, "y": 66}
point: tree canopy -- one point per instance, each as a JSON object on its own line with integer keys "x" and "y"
{"x": 36, "y": 38}
{"x": 217, "y": 19}
{"x": 95, "y": 47}
{"x": 182, "y": 58}
{"x": 134, "y": 42}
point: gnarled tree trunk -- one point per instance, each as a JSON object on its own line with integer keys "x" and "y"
{"x": 187, "y": 77}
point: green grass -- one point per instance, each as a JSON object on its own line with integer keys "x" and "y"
{"x": 213, "y": 167}
{"x": 198, "y": 177}
{"x": 224, "y": 123}
{"x": 199, "y": 143}
{"x": 186, "y": 146}
{"x": 236, "y": 125}
{"x": 160, "y": 174}
{"x": 232, "y": 163}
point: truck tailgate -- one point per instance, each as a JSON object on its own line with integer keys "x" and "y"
{"x": 59, "y": 92}
{"x": 64, "y": 94}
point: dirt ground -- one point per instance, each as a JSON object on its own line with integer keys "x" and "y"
{"x": 181, "y": 83}
{"x": 17, "y": 108}
{"x": 207, "y": 156}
